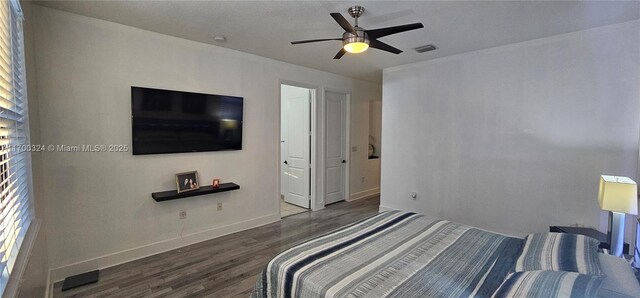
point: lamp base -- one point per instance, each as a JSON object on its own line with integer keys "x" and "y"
{"x": 636, "y": 250}
{"x": 616, "y": 237}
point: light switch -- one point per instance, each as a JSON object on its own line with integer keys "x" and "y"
{"x": 354, "y": 149}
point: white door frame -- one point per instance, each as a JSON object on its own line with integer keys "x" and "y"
{"x": 347, "y": 146}
{"x": 314, "y": 126}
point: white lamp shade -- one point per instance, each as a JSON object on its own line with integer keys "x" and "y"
{"x": 618, "y": 194}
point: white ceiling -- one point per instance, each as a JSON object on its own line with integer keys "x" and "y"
{"x": 265, "y": 28}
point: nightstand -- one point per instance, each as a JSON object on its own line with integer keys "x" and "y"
{"x": 593, "y": 233}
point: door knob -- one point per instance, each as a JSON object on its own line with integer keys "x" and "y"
{"x": 344, "y": 161}
{"x": 285, "y": 162}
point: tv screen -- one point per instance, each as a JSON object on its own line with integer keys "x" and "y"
{"x": 167, "y": 121}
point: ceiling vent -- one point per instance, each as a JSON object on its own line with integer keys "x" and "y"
{"x": 426, "y": 48}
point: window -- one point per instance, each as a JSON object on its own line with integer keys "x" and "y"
{"x": 16, "y": 206}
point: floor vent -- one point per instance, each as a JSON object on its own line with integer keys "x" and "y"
{"x": 426, "y": 48}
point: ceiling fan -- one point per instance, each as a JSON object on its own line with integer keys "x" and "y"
{"x": 357, "y": 40}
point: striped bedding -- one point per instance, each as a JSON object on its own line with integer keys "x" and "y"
{"x": 393, "y": 254}
{"x": 559, "y": 252}
{"x": 543, "y": 283}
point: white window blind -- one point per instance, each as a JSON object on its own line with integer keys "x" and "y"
{"x": 16, "y": 207}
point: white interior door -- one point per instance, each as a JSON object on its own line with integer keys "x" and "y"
{"x": 297, "y": 145}
{"x": 336, "y": 131}
{"x": 283, "y": 149}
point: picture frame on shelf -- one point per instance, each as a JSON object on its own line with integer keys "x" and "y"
{"x": 187, "y": 181}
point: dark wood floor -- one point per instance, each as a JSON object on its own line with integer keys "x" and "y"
{"x": 223, "y": 267}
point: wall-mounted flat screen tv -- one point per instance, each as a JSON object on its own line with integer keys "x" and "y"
{"x": 167, "y": 121}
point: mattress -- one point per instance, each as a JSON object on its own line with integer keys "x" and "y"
{"x": 393, "y": 254}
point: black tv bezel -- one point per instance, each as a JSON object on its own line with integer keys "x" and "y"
{"x": 133, "y": 151}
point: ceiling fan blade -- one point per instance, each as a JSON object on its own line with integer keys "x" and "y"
{"x": 340, "y": 54}
{"x": 314, "y": 40}
{"x": 376, "y": 44}
{"x": 343, "y": 22}
{"x": 377, "y": 33}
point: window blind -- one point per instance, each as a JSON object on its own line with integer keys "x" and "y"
{"x": 16, "y": 206}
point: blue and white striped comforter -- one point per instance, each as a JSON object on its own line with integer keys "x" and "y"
{"x": 393, "y": 254}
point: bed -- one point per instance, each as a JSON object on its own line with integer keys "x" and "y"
{"x": 403, "y": 254}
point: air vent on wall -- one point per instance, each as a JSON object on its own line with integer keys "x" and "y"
{"x": 426, "y": 48}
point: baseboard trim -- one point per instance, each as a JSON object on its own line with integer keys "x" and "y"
{"x": 109, "y": 260}
{"x": 364, "y": 194}
{"x": 385, "y": 208}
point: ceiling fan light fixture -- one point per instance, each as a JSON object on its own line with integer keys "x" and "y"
{"x": 356, "y": 39}
{"x": 355, "y": 43}
{"x": 356, "y": 47}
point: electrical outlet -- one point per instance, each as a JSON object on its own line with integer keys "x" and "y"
{"x": 354, "y": 149}
{"x": 219, "y": 206}
{"x": 183, "y": 214}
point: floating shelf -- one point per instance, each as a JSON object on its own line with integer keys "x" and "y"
{"x": 173, "y": 194}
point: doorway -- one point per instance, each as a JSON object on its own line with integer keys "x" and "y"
{"x": 295, "y": 149}
{"x": 336, "y": 144}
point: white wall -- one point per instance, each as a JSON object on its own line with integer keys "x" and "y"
{"x": 360, "y": 112}
{"x": 99, "y": 209}
{"x": 375, "y": 124}
{"x": 369, "y": 182}
{"x": 514, "y": 139}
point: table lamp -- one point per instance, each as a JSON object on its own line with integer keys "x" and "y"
{"x": 619, "y": 195}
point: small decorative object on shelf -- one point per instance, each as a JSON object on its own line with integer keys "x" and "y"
{"x": 215, "y": 183}
{"x": 187, "y": 181}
